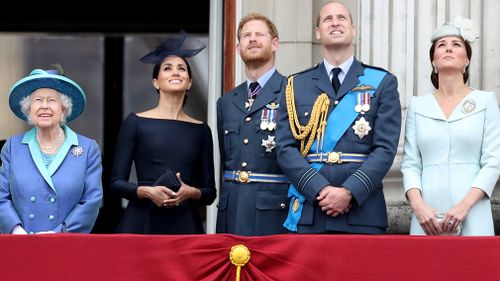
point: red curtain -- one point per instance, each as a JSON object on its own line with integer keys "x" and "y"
{"x": 279, "y": 257}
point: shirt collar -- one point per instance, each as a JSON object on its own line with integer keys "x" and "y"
{"x": 264, "y": 78}
{"x": 343, "y": 66}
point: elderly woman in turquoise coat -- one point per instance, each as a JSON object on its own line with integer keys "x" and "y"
{"x": 50, "y": 178}
{"x": 451, "y": 159}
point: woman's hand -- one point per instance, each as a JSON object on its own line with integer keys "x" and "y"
{"x": 157, "y": 194}
{"x": 426, "y": 216}
{"x": 184, "y": 193}
{"x": 454, "y": 217}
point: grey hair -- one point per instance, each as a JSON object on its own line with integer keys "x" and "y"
{"x": 67, "y": 105}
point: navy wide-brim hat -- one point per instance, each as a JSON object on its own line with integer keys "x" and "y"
{"x": 38, "y": 79}
{"x": 182, "y": 45}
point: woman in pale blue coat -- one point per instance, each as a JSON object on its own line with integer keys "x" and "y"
{"x": 451, "y": 158}
{"x": 50, "y": 178}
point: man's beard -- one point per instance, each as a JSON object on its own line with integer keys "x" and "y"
{"x": 258, "y": 58}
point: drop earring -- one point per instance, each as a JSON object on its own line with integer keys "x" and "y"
{"x": 435, "y": 69}
{"x": 464, "y": 69}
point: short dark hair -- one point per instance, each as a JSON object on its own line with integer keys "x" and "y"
{"x": 435, "y": 76}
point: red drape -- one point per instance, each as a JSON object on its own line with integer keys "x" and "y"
{"x": 279, "y": 257}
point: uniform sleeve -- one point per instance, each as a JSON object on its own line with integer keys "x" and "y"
{"x": 84, "y": 215}
{"x": 122, "y": 164}
{"x": 208, "y": 190}
{"x": 8, "y": 215}
{"x": 386, "y": 131}
{"x": 411, "y": 166}
{"x": 490, "y": 149}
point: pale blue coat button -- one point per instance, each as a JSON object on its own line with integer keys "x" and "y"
{"x": 31, "y": 216}
{"x": 51, "y": 217}
{"x": 32, "y": 198}
{"x": 52, "y": 199}
{"x": 31, "y": 232}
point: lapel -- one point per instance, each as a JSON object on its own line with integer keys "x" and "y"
{"x": 459, "y": 113}
{"x": 30, "y": 139}
{"x": 240, "y": 96}
{"x": 323, "y": 82}
{"x": 351, "y": 79}
{"x": 429, "y": 107}
{"x": 36, "y": 154}
{"x": 70, "y": 140}
{"x": 268, "y": 93}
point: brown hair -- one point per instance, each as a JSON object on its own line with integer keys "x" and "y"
{"x": 435, "y": 76}
{"x": 256, "y": 16}
{"x": 318, "y": 18}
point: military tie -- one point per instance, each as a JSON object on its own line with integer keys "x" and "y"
{"x": 335, "y": 79}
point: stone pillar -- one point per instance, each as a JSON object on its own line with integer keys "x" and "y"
{"x": 12, "y": 55}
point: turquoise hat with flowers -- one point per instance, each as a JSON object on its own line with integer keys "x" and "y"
{"x": 52, "y": 79}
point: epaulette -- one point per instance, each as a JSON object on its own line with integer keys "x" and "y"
{"x": 305, "y": 70}
{"x": 375, "y": 67}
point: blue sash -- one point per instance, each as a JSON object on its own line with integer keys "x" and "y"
{"x": 337, "y": 124}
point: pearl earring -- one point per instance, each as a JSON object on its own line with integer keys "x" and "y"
{"x": 464, "y": 69}
{"x": 435, "y": 69}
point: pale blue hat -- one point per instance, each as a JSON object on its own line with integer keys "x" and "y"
{"x": 38, "y": 79}
{"x": 460, "y": 27}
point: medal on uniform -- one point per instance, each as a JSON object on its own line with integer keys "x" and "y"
{"x": 361, "y": 127}
{"x": 249, "y": 103}
{"x": 269, "y": 143}
{"x": 366, "y": 102}
{"x": 468, "y": 106}
{"x": 273, "y": 111}
{"x": 359, "y": 102}
{"x": 272, "y": 120}
{"x": 264, "y": 119}
{"x": 363, "y": 98}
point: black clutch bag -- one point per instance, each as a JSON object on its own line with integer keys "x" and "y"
{"x": 168, "y": 179}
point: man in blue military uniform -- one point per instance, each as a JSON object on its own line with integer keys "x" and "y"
{"x": 253, "y": 198}
{"x": 337, "y": 135}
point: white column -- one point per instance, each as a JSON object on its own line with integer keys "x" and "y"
{"x": 214, "y": 92}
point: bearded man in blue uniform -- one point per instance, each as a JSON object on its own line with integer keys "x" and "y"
{"x": 253, "y": 197}
{"x": 338, "y": 135}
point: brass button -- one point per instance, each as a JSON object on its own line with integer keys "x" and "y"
{"x": 243, "y": 177}
{"x": 282, "y": 205}
{"x": 336, "y": 102}
{"x": 244, "y": 164}
{"x": 226, "y": 132}
{"x": 248, "y": 119}
{"x": 245, "y": 141}
{"x": 306, "y": 113}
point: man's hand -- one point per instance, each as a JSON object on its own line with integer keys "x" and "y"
{"x": 335, "y": 201}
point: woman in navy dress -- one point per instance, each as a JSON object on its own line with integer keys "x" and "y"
{"x": 165, "y": 137}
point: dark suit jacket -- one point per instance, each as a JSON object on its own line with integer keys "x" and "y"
{"x": 368, "y": 213}
{"x": 249, "y": 208}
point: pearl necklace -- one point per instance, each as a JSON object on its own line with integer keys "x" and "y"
{"x": 53, "y": 148}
